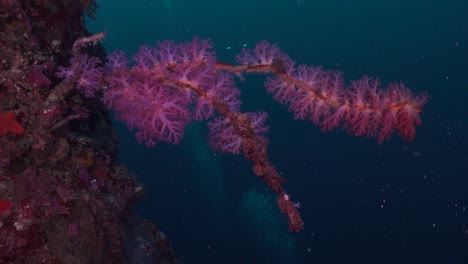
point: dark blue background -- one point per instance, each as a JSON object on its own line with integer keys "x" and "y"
{"x": 362, "y": 203}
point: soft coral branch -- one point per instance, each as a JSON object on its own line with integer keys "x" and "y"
{"x": 171, "y": 84}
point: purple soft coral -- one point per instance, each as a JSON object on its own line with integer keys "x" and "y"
{"x": 86, "y": 70}
{"x": 224, "y": 138}
{"x": 169, "y": 83}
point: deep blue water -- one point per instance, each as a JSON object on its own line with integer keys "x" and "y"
{"x": 399, "y": 202}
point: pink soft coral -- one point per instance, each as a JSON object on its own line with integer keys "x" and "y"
{"x": 156, "y": 112}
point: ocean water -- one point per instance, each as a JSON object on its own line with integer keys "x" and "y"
{"x": 398, "y": 202}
